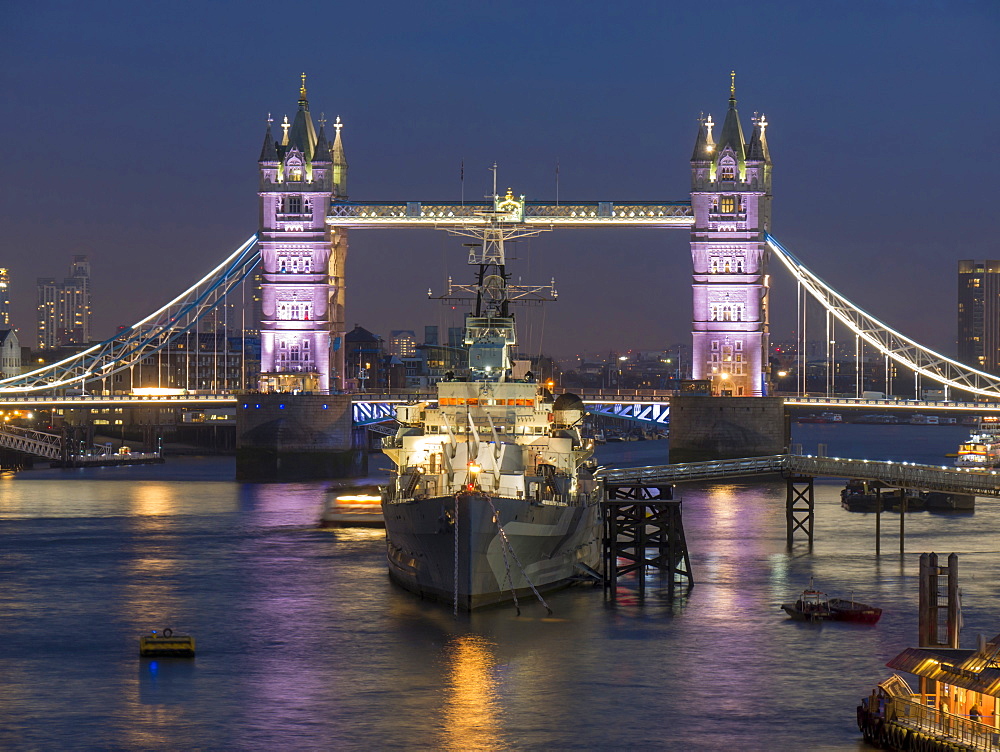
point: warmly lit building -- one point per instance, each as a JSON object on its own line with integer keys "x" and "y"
{"x": 731, "y": 199}
{"x": 64, "y": 307}
{"x": 4, "y": 297}
{"x": 979, "y": 314}
{"x": 402, "y": 343}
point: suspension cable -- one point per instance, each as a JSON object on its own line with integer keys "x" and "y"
{"x": 886, "y": 340}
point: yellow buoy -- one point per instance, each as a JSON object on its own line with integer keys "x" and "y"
{"x": 166, "y": 643}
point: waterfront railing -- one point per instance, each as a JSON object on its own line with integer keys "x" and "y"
{"x": 924, "y": 718}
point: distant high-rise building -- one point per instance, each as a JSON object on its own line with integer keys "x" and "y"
{"x": 430, "y": 335}
{"x": 64, "y": 308}
{"x": 4, "y": 298}
{"x": 979, "y": 314}
{"x": 403, "y": 343}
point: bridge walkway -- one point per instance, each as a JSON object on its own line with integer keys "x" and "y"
{"x": 895, "y": 474}
{"x": 800, "y": 471}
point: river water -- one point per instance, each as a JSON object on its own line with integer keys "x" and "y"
{"x": 304, "y": 644}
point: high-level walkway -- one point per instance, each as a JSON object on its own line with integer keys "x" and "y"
{"x": 538, "y": 214}
{"x": 895, "y": 474}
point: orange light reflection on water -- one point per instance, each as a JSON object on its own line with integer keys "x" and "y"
{"x": 470, "y": 713}
{"x": 153, "y": 500}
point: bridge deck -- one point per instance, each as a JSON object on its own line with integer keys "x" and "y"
{"x": 895, "y": 474}
{"x": 541, "y": 214}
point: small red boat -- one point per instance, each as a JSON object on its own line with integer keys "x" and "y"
{"x": 814, "y": 605}
{"x": 851, "y": 610}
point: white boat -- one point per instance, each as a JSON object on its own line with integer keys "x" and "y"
{"x": 982, "y": 448}
{"x": 492, "y": 496}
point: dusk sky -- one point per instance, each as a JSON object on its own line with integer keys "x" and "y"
{"x": 132, "y": 132}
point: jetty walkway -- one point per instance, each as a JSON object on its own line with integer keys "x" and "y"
{"x": 908, "y": 475}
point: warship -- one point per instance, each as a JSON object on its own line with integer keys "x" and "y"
{"x": 493, "y": 496}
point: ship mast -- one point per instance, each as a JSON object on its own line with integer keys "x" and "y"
{"x": 489, "y": 329}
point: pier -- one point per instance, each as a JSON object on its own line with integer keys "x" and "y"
{"x": 800, "y": 471}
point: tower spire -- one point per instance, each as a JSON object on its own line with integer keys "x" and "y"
{"x": 268, "y": 152}
{"x": 732, "y": 88}
{"x": 303, "y": 101}
{"x": 339, "y": 162}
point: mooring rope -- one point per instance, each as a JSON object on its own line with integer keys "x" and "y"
{"x": 506, "y": 563}
{"x": 505, "y": 542}
{"x": 455, "y": 531}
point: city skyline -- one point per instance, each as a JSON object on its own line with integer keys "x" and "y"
{"x": 871, "y": 113}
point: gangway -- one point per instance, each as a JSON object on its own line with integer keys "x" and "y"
{"x": 799, "y": 472}
{"x": 36, "y": 443}
{"x": 896, "y": 474}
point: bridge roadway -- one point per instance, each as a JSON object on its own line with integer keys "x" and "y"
{"x": 894, "y": 474}
{"x": 593, "y": 396}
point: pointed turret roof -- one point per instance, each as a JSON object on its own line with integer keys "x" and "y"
{"x": 704, "y": 146}
{"x": 757, "y": 150}
{"x": 338, "y": 145}
{"x": 732, "y": 131}
{"x": 302, "y": 133}
{"x": 322, "y": 153}
{"x": 268, "y": 152}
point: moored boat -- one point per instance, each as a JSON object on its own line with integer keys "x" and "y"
{"x": 492, "y": 497}
{"x": 812, "y": 605}
{"x": 864, "y": 496}
{"x": 815, "y": 605}
{"x": 850, "y": 610}
{"x": 982, "y": 449}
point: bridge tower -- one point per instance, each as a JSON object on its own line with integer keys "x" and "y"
{"x": 302, "y": 287}
{"x": 731, "y": 197}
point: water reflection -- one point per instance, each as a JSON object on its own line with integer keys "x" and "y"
{"x": 470, "y": 712}
{"x": 153, "y": 499}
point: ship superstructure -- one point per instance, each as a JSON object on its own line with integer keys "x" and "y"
{"x": 982, "y": 448}
{"x": 493, "y": 495}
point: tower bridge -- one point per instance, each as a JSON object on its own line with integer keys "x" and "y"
{"x": 299, "y": 253}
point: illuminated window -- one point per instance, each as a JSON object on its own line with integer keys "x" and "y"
{"x": 727, "y": 171}
{"x": 727, "y": 205}
{"x": 295, "y": 310}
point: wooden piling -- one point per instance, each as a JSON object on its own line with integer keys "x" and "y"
{"x": 878, "y": 520}
{"x": 902, "y": 518}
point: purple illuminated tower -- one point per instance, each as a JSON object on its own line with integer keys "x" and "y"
{"x": 302, "y": 288}
{"x": 731, "y": 197}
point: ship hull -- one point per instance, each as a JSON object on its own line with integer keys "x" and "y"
{"x": 542, "y": 544}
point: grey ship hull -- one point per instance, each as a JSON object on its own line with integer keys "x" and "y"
{"x": 545, "y": 544}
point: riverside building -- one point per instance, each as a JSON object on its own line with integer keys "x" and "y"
{"x": 64, "y": 307}
{"x": 979, "y": 314}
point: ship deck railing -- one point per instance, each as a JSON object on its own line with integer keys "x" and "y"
{"x": 913, "y": 714}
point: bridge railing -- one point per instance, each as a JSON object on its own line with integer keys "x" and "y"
{"x": 892, "y": 474}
